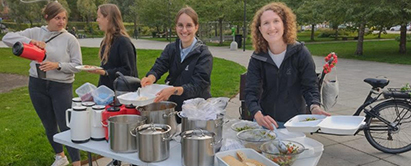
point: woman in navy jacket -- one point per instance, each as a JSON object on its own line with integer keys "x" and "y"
{"x": 188, "y": 61}
{"x": 281, "y": 77}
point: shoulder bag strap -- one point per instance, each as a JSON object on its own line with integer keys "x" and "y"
{"x": 53, "y": 37}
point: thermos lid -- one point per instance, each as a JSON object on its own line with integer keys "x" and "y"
{"x": 198, "y": 134}
{"x": 98, "y": 107}
{"x": 130, "y": 106}
{"x": 88, "y": 103}
{"x": 18, "y": 48}
{"x": 79, "y": 108}
{"x": 76, "y": 99}
{"x": 153, "y": 129}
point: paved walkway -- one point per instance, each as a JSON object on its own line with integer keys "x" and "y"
{"x": 339, "y": 150}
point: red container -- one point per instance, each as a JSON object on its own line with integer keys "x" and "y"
{"x": 29, "y": 51}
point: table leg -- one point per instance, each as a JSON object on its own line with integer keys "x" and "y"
{"x": 90, "y": 159}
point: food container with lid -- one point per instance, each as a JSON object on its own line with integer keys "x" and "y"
{"x": 294, "y": 149}
{"x": 197, "y": 147}
{"x": 153, "y": 142}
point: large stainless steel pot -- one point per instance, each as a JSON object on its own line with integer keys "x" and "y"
{"x": 153, "y": 142}
{"x": 160, "y": 113}
{"x": 119, "y": 128}
{"x": 215, "y": 126}
{"x": 197, "y": 148}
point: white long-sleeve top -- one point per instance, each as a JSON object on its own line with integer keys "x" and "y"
{"x": 64, "y": 49}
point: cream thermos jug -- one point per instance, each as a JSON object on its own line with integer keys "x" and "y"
{"x": 79, "y": 124}
{"x": 97, "y": 130}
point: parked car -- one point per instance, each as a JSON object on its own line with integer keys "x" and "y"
{"x": 395, "y": 28}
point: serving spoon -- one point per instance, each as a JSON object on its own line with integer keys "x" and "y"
{"x": 281, "y": 145}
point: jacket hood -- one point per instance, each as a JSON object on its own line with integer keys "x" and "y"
{"x": 291, "y": 49}
{"x": 52, "y": 32}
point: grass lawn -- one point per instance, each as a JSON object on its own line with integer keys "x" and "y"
{"x": 379, "y": 51}
{"x": 22, "y": 137}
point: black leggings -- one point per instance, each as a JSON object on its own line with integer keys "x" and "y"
{"x": 51, "y": 100}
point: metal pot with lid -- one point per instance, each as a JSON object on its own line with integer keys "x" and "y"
{"x": 153, "y": 142}
{"x": 197, "y": 147}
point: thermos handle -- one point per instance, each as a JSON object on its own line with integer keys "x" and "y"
{"x": 67, "y": 120}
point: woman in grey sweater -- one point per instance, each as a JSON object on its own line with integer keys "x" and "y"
{"x": 51, "y": 96}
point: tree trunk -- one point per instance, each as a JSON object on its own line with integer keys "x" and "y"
{"x": 215, "y": 29}
{"x": 336, "y": 34}
{"x": 403, "y": 39}
{"x": 360, "y": 41}
{"x": 220, "y": 21}
{"x": 312, "y": 32}
{"x": 379, "y": 33}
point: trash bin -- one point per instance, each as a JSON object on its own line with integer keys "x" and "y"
{"x": 239, "y": 39}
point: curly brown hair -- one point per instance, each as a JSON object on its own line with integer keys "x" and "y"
{"x": 288, "y": 18}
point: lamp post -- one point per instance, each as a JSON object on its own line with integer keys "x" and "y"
{"x": 244, "y": 26}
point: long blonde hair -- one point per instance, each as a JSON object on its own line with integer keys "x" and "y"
{"x": 115, "y": 28}
{"x": 288, "y": 18}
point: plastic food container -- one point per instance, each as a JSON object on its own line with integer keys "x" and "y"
{"x": 84, "y": 91}
{"x": 244, "y": 125}
{"x": 250, "y": 153}
{"x": 304, "y": 123}
{"x": 294, "y": 149}
{"x": 103, "y": 95}
{"x": 343, "y": 125}
{"x": 137, "y": 100}
{"x": 253, "y": 138}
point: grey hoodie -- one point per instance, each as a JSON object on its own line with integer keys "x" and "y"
{"x": 64, "y": 49}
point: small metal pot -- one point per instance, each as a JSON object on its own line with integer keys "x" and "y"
{"x": 215, "y": 126}
{"x": 153, "y": 142}
{"x": 160, "y": 113}
{"x": 119, "y": 127}
{"x": 197, "y": 148}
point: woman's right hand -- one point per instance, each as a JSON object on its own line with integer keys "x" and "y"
{"x": 265, "y": 121}
{"x": 147, "y": 80}
{"x": 39, "y": 44}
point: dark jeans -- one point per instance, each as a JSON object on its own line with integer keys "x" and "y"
{"x": 51, "y": 100}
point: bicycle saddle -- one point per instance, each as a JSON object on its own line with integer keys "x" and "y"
{"x": 377, "y": 82}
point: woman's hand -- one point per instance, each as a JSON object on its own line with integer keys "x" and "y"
{"x": 39, "y": 44}
{"x": 164, "y": 94}
{"x": 319, "y": 111}
{"x": 265, "y": 121}
{"x": 47, "y": 66}
{"x": 98, "y": 71}
{"x": 148, "y": 81}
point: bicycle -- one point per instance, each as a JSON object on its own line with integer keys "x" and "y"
{"x": 387, "y": 119}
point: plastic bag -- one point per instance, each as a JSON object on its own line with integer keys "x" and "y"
{"x": 200, "y": 109}
{"x": 330, "y": 90}
{"x": 230, "y": 144}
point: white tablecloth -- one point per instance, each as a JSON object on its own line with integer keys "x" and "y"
{"x": 102, "y": 148}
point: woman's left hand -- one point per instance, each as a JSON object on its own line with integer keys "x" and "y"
{"x": 319, "y": 111}
{"x": 47, "y": 66}
{"x": 98, "y": 71}
{"x": 164, "y": 94}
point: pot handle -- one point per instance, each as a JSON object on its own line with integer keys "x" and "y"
{"x": 217, "y": 123}
{"x": 168, "y": 138}
{"x": 131, "y": 132}
{"x": 214, "y": 143}
{"x": 104, "y": 124}
{"x": 169, "y": 114}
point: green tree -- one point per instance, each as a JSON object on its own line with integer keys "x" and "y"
{"x": 310, "y": 12}
{"x": 87, "y": 9}
{"x": 22, "y": 12}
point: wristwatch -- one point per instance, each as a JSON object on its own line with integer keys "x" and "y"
{"x": 59, "y": 67}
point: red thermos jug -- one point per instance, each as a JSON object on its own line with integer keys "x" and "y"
{"x": 29, "y": 51}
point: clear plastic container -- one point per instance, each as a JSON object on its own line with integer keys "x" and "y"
{"x": 84, "y": 91}
{"x": 103, "y": 95}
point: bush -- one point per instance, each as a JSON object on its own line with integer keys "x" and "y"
{"x": 408, "y": 38}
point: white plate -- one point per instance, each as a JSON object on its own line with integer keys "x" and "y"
{"x": 88, "y": 67}
{"x": 299, "y": 123}
{"x": 132, "y": 98}
{"x": 250, "y": 153}
{"x": 244, "y": 123}
{"x": 342, "y": 125}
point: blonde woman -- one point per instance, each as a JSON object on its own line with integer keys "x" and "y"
{"x": 282, "y": 67}
{"x": 51, "y": 96}
{"x": 117, "y": 53}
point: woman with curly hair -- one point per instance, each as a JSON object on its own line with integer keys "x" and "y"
{"x": 281, "y": 77}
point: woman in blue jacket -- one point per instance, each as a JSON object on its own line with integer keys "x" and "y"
{"x": 188, "y": 61}
{"x": 281, "y": 77}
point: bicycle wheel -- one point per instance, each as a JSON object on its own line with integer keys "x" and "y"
{"x": 385, "y": 138}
